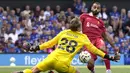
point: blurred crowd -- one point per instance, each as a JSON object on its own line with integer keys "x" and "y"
{"x": 19, "y": 26}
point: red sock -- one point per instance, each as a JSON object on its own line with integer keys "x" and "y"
{"x": 107, "y": 63}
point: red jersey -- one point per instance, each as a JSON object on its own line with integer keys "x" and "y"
{"x": 92, "y": 26}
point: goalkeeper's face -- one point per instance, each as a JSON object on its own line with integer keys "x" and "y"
{"x": 96, "y": 8}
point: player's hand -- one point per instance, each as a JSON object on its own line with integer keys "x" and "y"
{"x": 34, "y": 48}
{"x": 26, "y": 46}
{"x": 31, "y": 48}
{"x": 116, "y": 57}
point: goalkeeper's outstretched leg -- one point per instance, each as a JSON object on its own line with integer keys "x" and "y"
{"x": 36, "y": 70}
{"x": 33, "y": 70}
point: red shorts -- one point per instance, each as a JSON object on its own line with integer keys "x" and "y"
{"x": 99, "y": 43}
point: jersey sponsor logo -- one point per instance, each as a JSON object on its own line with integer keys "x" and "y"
{"x": 91, "y": 25}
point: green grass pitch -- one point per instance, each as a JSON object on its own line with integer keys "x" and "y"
{"x": 99, "y": 69}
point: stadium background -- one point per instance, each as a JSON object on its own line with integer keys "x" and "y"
{"x": 19, "y": 26}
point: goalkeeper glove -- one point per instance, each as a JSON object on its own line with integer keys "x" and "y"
{"x": 31, "y": 48}
{"x": 113, "y": 58}
{"x": 34, "y": 48}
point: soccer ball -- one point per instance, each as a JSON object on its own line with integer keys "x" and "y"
{"x": 84, "y": 56}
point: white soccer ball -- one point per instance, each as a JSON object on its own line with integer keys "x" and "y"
{"x": 12, "y": 59}
{"x": 84, "y": 56}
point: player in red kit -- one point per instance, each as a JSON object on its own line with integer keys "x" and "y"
{"x": 94, "y": 28}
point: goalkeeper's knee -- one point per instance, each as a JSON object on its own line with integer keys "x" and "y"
{"x": 27, "y": 71}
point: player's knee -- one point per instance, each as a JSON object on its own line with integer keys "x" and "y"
{"x": 35, "y": 70}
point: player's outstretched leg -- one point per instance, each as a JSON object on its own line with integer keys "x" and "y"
{"x": 107, "y": 64}
{"x": 24, "y": 71}
{"x": 33, "y": 70}
{"x": 101, "y": 45}
{"x": 91, "y": 65}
